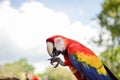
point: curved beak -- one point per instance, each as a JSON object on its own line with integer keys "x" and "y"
{"x": 52, "y": 50}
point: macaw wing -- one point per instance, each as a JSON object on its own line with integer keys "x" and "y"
{"x": 85, "y": 61}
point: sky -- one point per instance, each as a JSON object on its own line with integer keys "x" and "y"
{"x": 26, "y": 24}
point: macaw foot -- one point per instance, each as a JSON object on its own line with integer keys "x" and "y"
{"x": 56, "y": 60}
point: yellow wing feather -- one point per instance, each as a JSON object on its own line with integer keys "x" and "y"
{"x": 91, "y": 60}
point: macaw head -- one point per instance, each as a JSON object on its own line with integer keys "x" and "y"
{"x": 56, "y": 45}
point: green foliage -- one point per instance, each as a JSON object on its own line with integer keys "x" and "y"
{"x": 111, "y": 58}
{"x": 58, "y": 73}
{"x": 23, "y": 66}
{"x": 110, "y": 19}
{"x": 15, "y": 68}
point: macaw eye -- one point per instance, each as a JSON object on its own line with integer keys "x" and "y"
{"x": 58, "y": 40}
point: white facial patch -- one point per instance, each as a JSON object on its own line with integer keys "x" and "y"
{"x": 59, "y": 44}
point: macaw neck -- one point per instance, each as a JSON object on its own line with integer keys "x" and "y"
{"x": 66, "y": 58}
{"x": 80, "y": 47}
{"x": 68, "y": 42}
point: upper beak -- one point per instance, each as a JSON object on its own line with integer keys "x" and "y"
{"x": 52, "y": 50}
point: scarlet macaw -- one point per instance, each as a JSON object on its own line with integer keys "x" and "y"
{"x": 28, "y": 76}
{"x": 83, "y": 63}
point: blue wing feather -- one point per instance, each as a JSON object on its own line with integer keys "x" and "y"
{"x": 87, "y": 70}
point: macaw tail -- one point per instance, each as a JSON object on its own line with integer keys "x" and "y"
{"x": 113, "y": 77}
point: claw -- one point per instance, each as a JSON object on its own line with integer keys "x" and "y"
{"x": 54, "y": 60}
{"x": 56, "y": 65}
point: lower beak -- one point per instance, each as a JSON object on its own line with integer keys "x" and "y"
{"x": 55, "y": 52}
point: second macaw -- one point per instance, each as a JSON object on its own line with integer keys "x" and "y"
{"x": 83, "y": 63}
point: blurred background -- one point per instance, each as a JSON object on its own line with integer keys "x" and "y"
{"x": 26, "y": 24}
